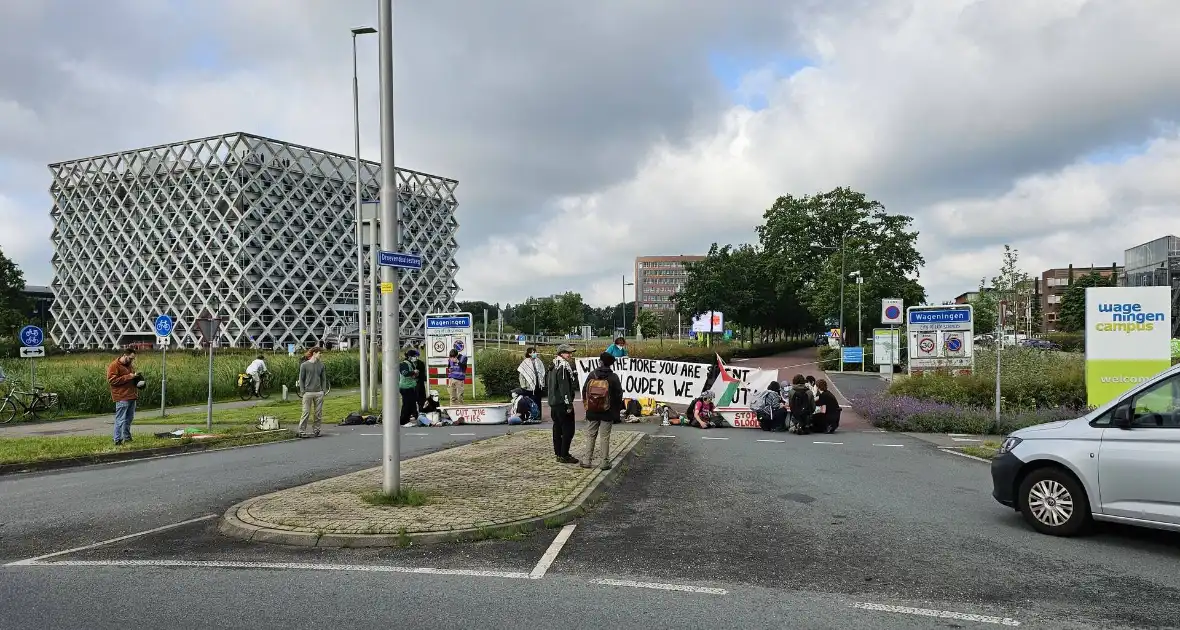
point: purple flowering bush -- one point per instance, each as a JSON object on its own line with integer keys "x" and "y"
{"x": 906, "y": 413}
{"x": 1029, "y": 379}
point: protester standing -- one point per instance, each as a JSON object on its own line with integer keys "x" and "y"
{"x": 563, "y": 385}
{"x": 456, "y": 376}
{"x": 603, "y": 397}
{"x": 422, "y": 377}
{"x": 618, "y": 349}
{"x": 407, "y": 386}
{"x": 123, "y": 382}
{"x": 532, "y": 375}
{"x": 313, "y": 384}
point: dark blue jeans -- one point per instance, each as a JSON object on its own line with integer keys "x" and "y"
{"x": 124, "y": 414}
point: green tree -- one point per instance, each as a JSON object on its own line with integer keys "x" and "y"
{"x": 1012, "y": 286}
{"x": 14, "y": 304}
{"x": 809, "y": 241}
{"x": 1072, "y": 316}
{"x": 647, "y": 323}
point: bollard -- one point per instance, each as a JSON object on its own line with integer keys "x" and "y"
{"x": 284, "y": 393}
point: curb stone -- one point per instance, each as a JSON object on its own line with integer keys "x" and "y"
{"x": 234, "y": 527}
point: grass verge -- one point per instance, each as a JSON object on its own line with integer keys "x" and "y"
{"x": 987, "y": 451}
{"x": 31, "y": 450}
{"x": 407, "y": 497}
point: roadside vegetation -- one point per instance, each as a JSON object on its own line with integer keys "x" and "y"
{"x": 30, "y": 450}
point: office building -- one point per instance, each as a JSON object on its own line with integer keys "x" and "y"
{"x": 1156, "y": 264}
{"x": 657, "y": 279}
{"x": 256, "y": 231}
{"x": 1054, "y": 284}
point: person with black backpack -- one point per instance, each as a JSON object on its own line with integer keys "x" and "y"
{"x": 603, "y": 397}
{"x": 801, "y": 404}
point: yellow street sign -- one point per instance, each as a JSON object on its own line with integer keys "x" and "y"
{"x": 386, "y": 287}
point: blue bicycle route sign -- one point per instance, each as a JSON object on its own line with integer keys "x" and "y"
{"x": 163, "y": 326}
{"x": 31, "y": 336}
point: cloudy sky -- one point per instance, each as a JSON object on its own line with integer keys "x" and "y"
{"x": 584, "y": 134}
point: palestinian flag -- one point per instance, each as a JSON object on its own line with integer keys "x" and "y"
{"x": 731, "y": 387}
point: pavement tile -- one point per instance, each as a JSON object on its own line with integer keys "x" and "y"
{"x": 488, "y": 483}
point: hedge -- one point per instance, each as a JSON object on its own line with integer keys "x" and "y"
{"x": 1029, "y": 379}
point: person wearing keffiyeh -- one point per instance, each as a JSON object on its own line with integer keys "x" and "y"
{"x": 563, "y": 385}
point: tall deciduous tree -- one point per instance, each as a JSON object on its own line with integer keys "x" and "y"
{"x": 1072, "y": 316}
{"x": 14, "y": 304}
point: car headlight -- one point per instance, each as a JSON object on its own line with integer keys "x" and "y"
{"x": 1009, "y": 444}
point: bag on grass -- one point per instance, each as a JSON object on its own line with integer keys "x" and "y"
{"x": 268, "y": 423}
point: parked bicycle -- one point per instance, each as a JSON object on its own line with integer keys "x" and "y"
{"x": 246, "y": 386}
{"x": 30, "y": 405}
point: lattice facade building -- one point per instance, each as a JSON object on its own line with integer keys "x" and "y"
{"x": 258, "y": 231}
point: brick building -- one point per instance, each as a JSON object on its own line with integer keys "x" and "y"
{"x": 1054, "y": 283}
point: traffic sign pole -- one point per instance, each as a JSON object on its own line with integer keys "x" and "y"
{"x": 390, "y": 398}
{"x": 163, "y": 325}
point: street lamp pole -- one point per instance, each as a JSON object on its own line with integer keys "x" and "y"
{"x": 360, "y": 253}
{"x": 625, "y": 285}
{"x": 390, "y": 400}
{"x": 843, "y": 275}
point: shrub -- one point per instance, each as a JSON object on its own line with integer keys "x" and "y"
{"x": 1029, "y": 379}
{"x": 1069, "y": 342}
{"x": 497, "y": 370}
{"x": 906, "y": 413}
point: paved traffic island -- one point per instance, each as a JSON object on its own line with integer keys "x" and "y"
{"x": 509, "y": 483}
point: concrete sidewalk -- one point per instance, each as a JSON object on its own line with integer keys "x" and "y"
{"x": 104, "y": 425}
{"x": 502, "y": 483}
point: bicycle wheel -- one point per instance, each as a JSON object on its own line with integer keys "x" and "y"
{"x": 7, "y": 411}
{"x": 246, "y": 390}
{"x": 264, "y": 388}
{"x": 46, "y": 406}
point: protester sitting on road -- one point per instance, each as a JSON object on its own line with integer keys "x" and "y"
{"x": 702, "y": 413}
{"x": 618, "y": 349}
{"x": 770, "y": 408}
{"x": 827, "y": 409}
{"x": 429, "y": 413}
{"x": 801, "y": 404}
{"x": 524, "y": 409}
{"x": 811, "y": 385}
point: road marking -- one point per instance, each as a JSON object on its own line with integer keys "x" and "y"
{"x": 835, "y": 443}
{"x": 941, "y": 614}
{"x": 663, "y": 587}
{"x": 958, "y": 435}
{"x": 713, "y": 438}
{"x": 664, "y": 436}
{"x": 35, "y": 560}
{"x": 422, "y": 434}
{"x": 546, "y": 560}
{"x": 773, "y": 441}
{"x": 832, "y": 383}
{"x": 737, "y": 360}
{"x": 954, "y": 452}
{"x": 957, "y": 439}
{"x": 384, "y": 434}
{"x": 217, "y": 564}
{"x": 462, "y": 434}
{"x": 897, "y": 445}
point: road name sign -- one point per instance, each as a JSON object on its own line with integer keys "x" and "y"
{"x": 32, "y": 352}
{"x": 31, "y": 336}
{"x": 163, "y": 325}
{"x": 399, "y": 260}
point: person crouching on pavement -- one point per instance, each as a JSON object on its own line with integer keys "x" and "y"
{"x": 603, "y": 397}
{"x": 563, "y": 385}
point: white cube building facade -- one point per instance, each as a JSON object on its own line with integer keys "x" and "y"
{"x": 259, "y": 232}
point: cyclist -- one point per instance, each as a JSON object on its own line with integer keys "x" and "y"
{"x": 256, "y": 371}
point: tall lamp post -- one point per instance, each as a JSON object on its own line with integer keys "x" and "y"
{"x": 360, "y": 254}
{"x": 843, "y": 277}
{"x": 625, "y": 285}
{"x": 390, "y": 315}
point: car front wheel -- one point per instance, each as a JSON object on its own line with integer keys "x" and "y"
{"x": 1054, "y": 503}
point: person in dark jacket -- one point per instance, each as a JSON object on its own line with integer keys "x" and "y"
{"x": 801, "y": 403}
{"x": 563, "y": 387}
{"x": 423, "y": 375}
{"x": 827, "y": 409}
{"x": 599, "y": 423}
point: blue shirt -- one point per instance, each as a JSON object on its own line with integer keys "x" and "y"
{"x": 616, "y": 351}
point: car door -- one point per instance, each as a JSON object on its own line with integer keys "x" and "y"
{"x": 1138, "y": 466}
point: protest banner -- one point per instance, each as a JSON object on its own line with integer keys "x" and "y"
{"x": 678, "y": 382}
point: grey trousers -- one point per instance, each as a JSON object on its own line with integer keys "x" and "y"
{"x": 597, "y": 432}
{"x": 313, "y": 402}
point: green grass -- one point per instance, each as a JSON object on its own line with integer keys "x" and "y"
{"x": 987, "y": 451}
{"x": 26, "y": 450}
{"x": 407, "y": 497}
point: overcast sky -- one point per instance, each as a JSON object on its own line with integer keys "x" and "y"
{"x": 584, "y": 134}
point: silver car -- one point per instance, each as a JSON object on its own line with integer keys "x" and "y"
{"x": 1119, "y": 463}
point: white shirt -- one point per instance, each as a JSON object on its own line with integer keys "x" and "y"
{"x": 256, "y": 367}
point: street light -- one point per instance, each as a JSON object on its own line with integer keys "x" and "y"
{"x": 625, "y": 285}
{"x": 390, "y": 315}
{"x": 859, "y": 311}
{"x": 360, "y": 255}
{"x": 843, "y": 276}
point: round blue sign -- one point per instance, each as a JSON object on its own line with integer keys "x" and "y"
{"x": 163, "y": 325}
{"x": 892, "y": 312}
{"x": 954, "y": 344}
{"x": 31, "y": 336}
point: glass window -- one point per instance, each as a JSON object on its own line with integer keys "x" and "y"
{"x": 1157, "y": 406}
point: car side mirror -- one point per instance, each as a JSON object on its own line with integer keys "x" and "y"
{"x": 1122, "y": 417}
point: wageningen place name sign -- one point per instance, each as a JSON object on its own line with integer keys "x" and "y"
{"x": 947, "y": 316}
{"x": 448, "y": 322}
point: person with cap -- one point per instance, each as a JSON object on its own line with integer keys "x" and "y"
{"x": 563, "y": 385}
{"x": 407, "y": 386}
{"x": 603, "y": 397}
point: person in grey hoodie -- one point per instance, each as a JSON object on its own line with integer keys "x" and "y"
{"x": 313, "y": 383}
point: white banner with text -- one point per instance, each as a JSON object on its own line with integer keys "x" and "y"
{"x": 678, "y": 382}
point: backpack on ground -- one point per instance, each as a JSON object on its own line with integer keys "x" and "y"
{"x": 634, "y": 408}
{"x": 760, "y": 402}
{"x": 598, "y": 395}
{"x": 801, "y": 404}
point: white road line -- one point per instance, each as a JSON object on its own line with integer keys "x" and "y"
{"x": 835, "y": 443}
{"x": 773, "y": 441}
{"x": 954, "y": 452}
{"x": 874, "y": 431}
{"x": 384, "y": 434}
{"x": 664, "y": 436}
{"x": 663, "y": 587}
{"x": 29, "y": 561}
{"x": 897, "y": 445}
{"x": 956, "y": 439}
{"x": 958, "y": 435}
{"x": 738, "y": 360}
{"x": 418, "y": 434}
{"x": 462, "y": 434}
{"x": 546, "y": 560}
{"x": 217, "y": 564}
{"x": 713, "y": 438}
{"x": 832, "y": 383}
{"x": 941, "y": 614}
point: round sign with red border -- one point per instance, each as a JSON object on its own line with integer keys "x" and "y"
{"x": 892, "y": 312}
{"x": 954, "y": 344}
{"x": 926, "y": 345}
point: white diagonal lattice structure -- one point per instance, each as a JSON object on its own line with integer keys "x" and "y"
{"x": 254, "y": 229}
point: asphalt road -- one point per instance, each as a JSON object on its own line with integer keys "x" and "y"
{"x": 745, "y": 529}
